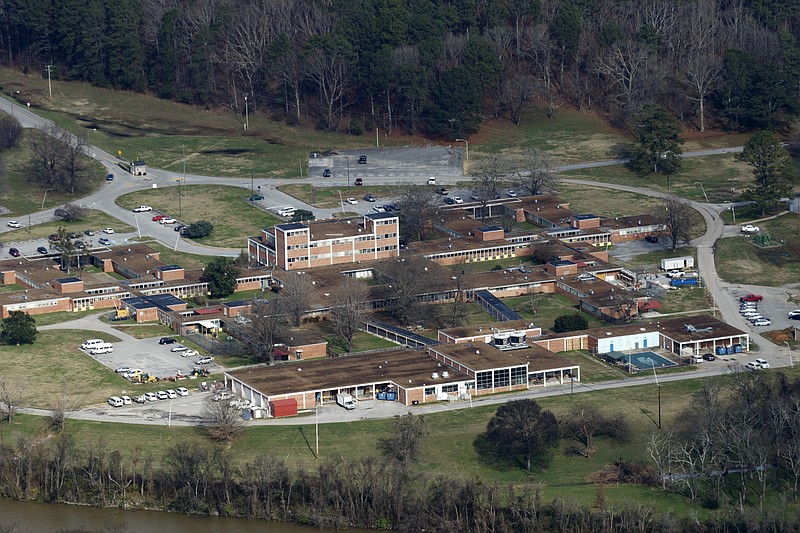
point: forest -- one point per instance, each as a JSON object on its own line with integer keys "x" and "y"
{"x": 433, "y": 67}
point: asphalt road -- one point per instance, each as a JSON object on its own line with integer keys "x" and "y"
{"x": 397, "y": 166}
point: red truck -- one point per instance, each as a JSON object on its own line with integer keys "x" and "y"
{"x": 751, "y": 298}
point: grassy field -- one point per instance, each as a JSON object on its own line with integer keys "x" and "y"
{"x": 686, "y": 299}
{"x": 651, "y": 261}
{"x": 93, "y": 219}
{"x": 144, "y": 331}
{"x": 225, "y": 206}
{"x": 739, "y": 261}
{"x": 546, "y": 308}
{"x": 21, "y": 195}
{"x": 717, "y": 174}
{"x": 168, "y": 135}
{"x": 56, "y": 366}
{"x": 606, "y": 202}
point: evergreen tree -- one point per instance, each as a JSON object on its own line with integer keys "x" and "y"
{"x": 657, "y": 145}
{"x": 18, "y": 328}
{"x": 220, "y": 274}
{"x": 124, "y": 66}
{"x": 772, "y": 168}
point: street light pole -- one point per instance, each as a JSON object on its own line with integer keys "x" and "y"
{"x": 341, "y": 202}
{"x": 45, "y": 196}
{"x": 702, "y": 189}
{"x": 347, "y": 158}
{"x": 733, "y": 211}
{"x": 179, "y": 197}
{"x": 49, "y": 86}
{"x": 246, "y": 114}
{"x": 466, "y": 143}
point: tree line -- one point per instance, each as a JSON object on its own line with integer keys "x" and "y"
{"x": 433, "y": 66}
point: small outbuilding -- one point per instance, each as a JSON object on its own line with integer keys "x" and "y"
{"x": 138, "y": 168}
{"x": 284, "y": 407}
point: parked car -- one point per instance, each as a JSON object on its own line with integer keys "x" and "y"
{"x": 750, "y": 229}
{"x": 108, "y": 231}
{"x": 142, "y": 209}
{"x": 709, "y": 356}
{"x": 13, "y": 224}
{"x": 362, "y": 160}
{"x": 102, "y": 241}
{"x": 762, "y": 322}
{"x": 674, "y": 274}
{"x": 326, "y": 173}
{"x": 126, "y": 400}
{"x": 449, "y": 201}
{"x": 53, "y": 237}
{"x": 14, "y": 252}
{"x": 432, "y": 180}
{"x": 182, "y": 391}
{"x": 190, "y": 353}
{"x": 752, "y": 365}
{"x": 167, "y": 340}
{"x": 352, "y": 201}
{"x": 150, "y": 396}
{"x": 255, "y": 198}
{"x": 172, "y": 394}
{"x": 794, "y": 316}
{"x": 115, "y": 401}
{"x": 162, "y": 395}
{"x": 207, "y": 360}
{"x": 179, "y": 348}
{"x": 751, "y": 298}
{"x": 180, "y": 228}
{"x": 458, "y": 200}
{"x": 41, "y": 250}
{"x": 123, "y": 370}
{"x": 140, "y": 399}
{"x": 359, "y": 182}
{"x": 651, "y": 238}
{"x": 443, "y": 191}
{"x": 109, "y": 177}
{"x": 763, "y": 363}
{"x": 167, "y": 220}
{"x": 379, "y": 209}
{"x": 794, "y": 313}
{"x": 159, "y": 218}
{"x": 511, "y": 194}
{"x": 369, "y": 198}
{"x": 89, "y": 232}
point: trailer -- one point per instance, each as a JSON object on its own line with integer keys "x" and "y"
{"x": 677, "y": 263}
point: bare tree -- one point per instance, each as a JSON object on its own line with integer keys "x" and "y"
{"x": 296, "y": 295}
{"x": 265, "y": 330}
{"x": 625, "y": 67}
{"x": 10, "y": 399}
{"x": 517, "y": 94}
{"x": 537, "y": 173}
{"x": 404, "y": 280}
{"x": 584, "y": 422}
{"x": 405, "y": 441}
{"x": 328, "y": 71}
{"x": 224, "y": 418}
{"x": 10, "y": 132}
{"x": 676, "y": 215}
{"x": 418, "y": 208}
{"x": 349, "y": 308}
{"x": 57, "y": 161}
{"x": 701, "y": 71}
{"x": 59, "y": 412}
{"x": 486, "y": 184}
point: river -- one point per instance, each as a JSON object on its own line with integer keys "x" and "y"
{"x": 31, "y": 517}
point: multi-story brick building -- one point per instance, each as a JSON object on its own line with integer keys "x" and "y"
{"x": 298, "y": 245}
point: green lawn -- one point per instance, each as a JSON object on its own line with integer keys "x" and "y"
{"x": 717, "y": 174}
{"x": 685, "y": 299}
{"x": 21, "y": 195}
{"x": 225, "y": 206}
{"x": 593, "y": 369}
{"x": 543, "y": 309}
{"x": 144, "y": 331}
{"x": 739, "y": 261}
{"x": 606, "y": 202}
{"x": 54, "y": 365}
{"x": 651, "y": 261}
{"x": 93, "y": 219}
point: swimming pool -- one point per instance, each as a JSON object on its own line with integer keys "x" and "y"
{"x": 643, "y": 360}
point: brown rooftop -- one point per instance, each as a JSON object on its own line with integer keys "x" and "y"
{"x": 473, "y": 330}
{"x": 480, "y": 356}
{"x": 407, "y": 368}
{"x": 632, "y": 221}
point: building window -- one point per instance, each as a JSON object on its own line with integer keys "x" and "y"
{"x": 519, "y": 375}
{"x": 501, "y": 378}
{"x": 484, "y": 380}
{"x": 430, "y": 391}
{"x": 450, "y": 388}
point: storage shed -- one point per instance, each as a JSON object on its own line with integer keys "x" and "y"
{"x": 285, "y": 407}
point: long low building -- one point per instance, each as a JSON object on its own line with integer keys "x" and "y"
{"x": 443, "y": 372}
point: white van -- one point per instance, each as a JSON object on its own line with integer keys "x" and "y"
{"x": 286, "y": 211}
{"x": 116, "y": 401}
{"x": 697, "y": 359}
{"x": 105, "y": 347}
{"x": 91, "y": 343}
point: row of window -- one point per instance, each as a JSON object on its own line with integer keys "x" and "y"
{"x": 502, "y": 378}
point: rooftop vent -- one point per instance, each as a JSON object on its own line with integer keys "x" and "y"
{"x": 435, "y": 375}
{"x": 445, "y": 374}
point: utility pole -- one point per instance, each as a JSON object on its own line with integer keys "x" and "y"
{"x": 246, "y": 114}
{"x": 49, "y": 86}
